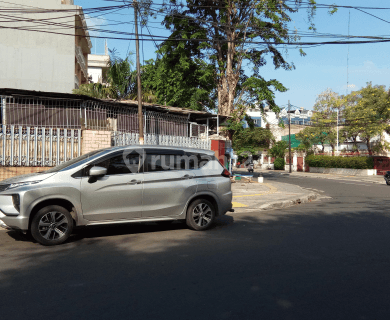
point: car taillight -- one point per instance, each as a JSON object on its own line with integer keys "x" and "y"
{"x": 225, "y": 173}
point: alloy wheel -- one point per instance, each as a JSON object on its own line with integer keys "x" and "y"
{"x": 53, "y": 225}
{"x": 202, "y": 214}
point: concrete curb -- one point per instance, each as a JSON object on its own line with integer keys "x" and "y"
{"x": 282, "y": 204}
{"x": 288, "y": 203}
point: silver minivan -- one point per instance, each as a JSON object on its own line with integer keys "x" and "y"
{"x": 117, "y": 185}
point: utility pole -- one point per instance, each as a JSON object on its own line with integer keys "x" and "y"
{"x": 289, "y": 137}
{"x": 140, "y": 120}
{"x": 337, "y": 124}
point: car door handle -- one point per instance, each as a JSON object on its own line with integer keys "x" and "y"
{"x": 134, "y": 181}
{"x": 187, "y": 176}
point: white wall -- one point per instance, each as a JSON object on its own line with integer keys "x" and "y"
{"x": 96, "y": 74}
{"x": 35, "y": 60}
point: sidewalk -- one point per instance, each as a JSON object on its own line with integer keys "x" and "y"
{"x": 268, "y": 196}
{"x": 369, "y": 179}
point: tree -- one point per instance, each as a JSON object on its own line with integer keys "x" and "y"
{"x": 121, "y": 79}
{"x": 178, "y": 80}
{"x": 324, "y": 119}
{"x": 228, "y": 32}
{"x": 366, "y": 115}
{"x": 311, "y": 136}
{"x": 278, "y": 150}
{"x": 252, "y": 140}
{"x": 306, "y": 138}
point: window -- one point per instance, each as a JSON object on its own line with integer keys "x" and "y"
{"x": 159, "y": 162}
{"x": 118, "y": 164}
{"x": 165, "y": 162}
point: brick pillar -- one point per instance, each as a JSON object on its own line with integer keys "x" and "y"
{"x": 218, "y": 146}
{"x": 95, "y": 140}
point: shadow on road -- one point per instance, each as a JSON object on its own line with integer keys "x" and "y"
{"x": 321, "y": 264}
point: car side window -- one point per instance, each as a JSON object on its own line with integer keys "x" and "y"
{"x": 160, "y": 162}
{"x": 117, "y": 164}
{"x": 164, "y": 162}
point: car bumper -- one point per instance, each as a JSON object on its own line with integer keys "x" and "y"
{"x": 225, "y": 203}
{"x": 13, "y": 222}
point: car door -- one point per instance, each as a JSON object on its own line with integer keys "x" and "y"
{"x": 167, "y": 184}
{"x": 118, "y": 194}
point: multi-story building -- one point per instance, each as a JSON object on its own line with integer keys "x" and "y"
{"x": 44, "y": 46}
{"x": 299, "y": 119}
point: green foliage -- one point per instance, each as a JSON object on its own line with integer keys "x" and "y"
{"x": 340, "y": 162}
{"x": 366, "y": 114}
{"x": 279, "y": 164}
{"x": 228, "y": 30}
{"x": 279, "y": 149}
{"x": 179, "y": 81}
{"x": 95, "y": 90}
{"x": 252, "y": 140}
{"x": 122, "y": 80}
{"x": 324, "y": 120}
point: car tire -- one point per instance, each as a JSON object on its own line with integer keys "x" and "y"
{"x": 52, "y": 225}
{"x": 200, "y": 215}
{"x": 388, "y": 182}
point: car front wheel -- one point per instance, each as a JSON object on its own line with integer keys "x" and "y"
{"x": 52, "y": 225}
{"x": 200, "y": 215}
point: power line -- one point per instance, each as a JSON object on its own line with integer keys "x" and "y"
{"x": 309, "y": 5}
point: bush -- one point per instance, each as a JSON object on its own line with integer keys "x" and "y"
{"x": 279, "y": 164}
{"x": 340, "y": 162}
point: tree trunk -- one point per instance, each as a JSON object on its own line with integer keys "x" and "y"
{"x": 368, "y": 144}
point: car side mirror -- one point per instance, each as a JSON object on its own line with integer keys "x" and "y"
{"x": 97, "y": 172}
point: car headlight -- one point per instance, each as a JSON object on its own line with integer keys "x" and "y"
{"x": 22, "y": 184}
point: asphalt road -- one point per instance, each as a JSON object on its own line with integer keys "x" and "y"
{"x": 328, "y": 259}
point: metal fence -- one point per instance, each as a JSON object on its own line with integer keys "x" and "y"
{"x": 37, "y": 146}
{"x": 91, "y": 114}
{"x": 123, "y": 139}
{"x": 198, "y": 130}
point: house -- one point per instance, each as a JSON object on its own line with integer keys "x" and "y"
{"x": 44, "y": 46}
{"x": 43, "y": 129}
{"x": 299, "y": 119}
{"x": 98, "y": 66}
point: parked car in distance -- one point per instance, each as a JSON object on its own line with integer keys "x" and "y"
{"x": 117, "y": 185}
{"x": 387, "y": 177}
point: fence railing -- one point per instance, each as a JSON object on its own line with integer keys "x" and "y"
{"x": 92, "y": 114}
{"x": 123, "y": 139}
{"x": 37, "y": 146}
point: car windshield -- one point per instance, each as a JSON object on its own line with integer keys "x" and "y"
{"x": 76, "y": 161}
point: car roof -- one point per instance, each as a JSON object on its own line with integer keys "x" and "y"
{"x": 151, "y": 146}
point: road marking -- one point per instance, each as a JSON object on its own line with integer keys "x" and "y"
{"x": 271, "y": 188}
{"x": 238, "y": 205}
{"x": 251, "y": 195}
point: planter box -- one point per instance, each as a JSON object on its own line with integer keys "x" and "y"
{"x": 345, "y": 171}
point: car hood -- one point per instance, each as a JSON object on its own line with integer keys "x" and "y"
{"x": 28, "y": 177}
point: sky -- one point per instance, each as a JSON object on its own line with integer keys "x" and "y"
{"x": 323, "y": 66}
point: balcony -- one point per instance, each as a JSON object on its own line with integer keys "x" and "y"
{"x": 81, "y": 61}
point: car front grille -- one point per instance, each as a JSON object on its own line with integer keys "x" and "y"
{"x": 4, "y": 187}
